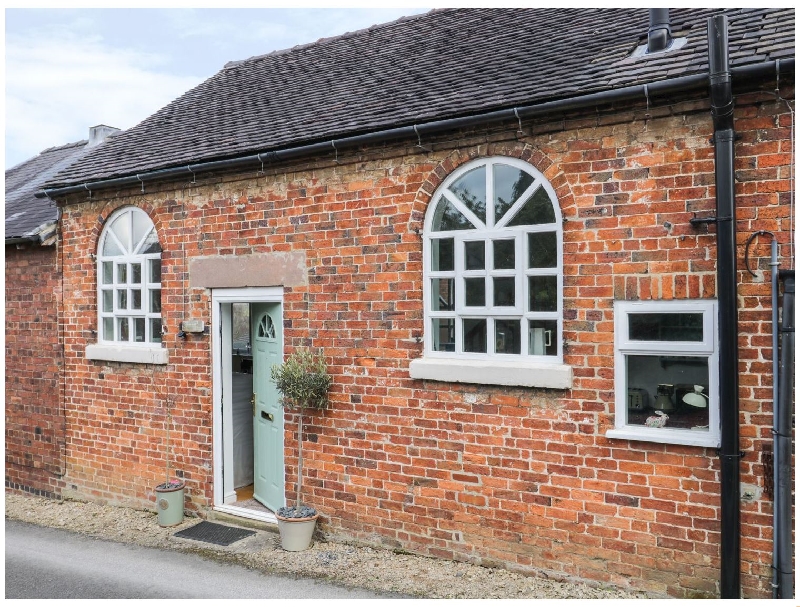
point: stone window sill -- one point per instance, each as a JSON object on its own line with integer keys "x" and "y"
{"x": 490, "y": 372}
{"x": 152, "y": 355}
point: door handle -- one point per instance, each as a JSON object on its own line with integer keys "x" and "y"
{"x": 266, "y": 415}
{"x": 253, "y": 404}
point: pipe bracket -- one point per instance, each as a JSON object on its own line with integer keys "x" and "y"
{"x": 730, "y": 456}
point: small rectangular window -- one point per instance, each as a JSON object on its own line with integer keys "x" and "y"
{"x": 666, "y": 372}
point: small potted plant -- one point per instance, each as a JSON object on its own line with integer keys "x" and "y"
{"x": 303, "y": 382}
{"x": 169, "y": 494}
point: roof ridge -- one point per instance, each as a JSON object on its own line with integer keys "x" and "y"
{"x": 74, "y": 144}
{"x": 330, "y": 39}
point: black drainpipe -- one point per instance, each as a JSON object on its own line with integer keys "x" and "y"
{"x": 722, "y": 113}
{"x": 782, "y": 497}
{"x": 659, "y": 35}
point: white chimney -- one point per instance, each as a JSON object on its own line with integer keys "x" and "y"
{"x": 98, "y": 134}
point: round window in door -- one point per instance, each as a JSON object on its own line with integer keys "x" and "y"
{"x": 266, "y": 328}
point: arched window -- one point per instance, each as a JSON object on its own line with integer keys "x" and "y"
{"x": 493, "y": 265}
{"x": 129, "y": 279}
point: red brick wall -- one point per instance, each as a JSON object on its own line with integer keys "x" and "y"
{"x": 34, "y": 417}
{"x": 521, "y": 477}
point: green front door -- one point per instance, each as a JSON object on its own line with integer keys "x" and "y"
{"x": 268, "y": 472}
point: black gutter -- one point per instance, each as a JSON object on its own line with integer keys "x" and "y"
{"x": 645, "y": 91}
{"x": 721, "y": 94}
{"x": 22, "y": 239}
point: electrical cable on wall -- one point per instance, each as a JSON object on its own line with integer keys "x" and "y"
{"x": 750, "y": 240}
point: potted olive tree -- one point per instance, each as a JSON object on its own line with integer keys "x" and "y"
{"x": 303, "y": 383}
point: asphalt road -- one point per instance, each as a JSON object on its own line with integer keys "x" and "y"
{"x": 43, "y": 563}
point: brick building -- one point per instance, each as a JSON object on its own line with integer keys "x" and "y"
{"x": 35, "y": 441}
{"x": 486, "y": 229}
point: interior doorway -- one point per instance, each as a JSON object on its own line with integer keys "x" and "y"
{"x": 248, "y": 421}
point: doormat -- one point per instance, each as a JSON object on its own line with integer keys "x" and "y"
{"x": 214, "y": 533}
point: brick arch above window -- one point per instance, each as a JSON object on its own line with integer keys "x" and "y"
{"x": 511, "y": 149}
{"x": 492, "y": 249}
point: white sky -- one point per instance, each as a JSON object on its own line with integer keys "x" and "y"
{"x": 69, "y": 69}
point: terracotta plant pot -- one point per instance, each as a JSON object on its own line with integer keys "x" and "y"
{"x": 296, "y": 533}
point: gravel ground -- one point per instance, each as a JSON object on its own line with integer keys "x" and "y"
{"x": 354, "y": 566}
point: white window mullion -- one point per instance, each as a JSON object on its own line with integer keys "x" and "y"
{"x": 456, "y": 202}
{"x": 512, "y": 211}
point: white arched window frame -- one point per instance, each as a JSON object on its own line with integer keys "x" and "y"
{"x": 493, "y": 278}
{"x": 129, "y": 281}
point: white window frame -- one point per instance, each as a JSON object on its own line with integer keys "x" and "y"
{"x": 117, "y": 350}
{"x": 624, "y": 346}
{"x": 522, "y": 369}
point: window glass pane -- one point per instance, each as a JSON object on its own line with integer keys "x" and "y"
{"x": 447, "y": 218}
{"x": 537, "y": 210}
{"x": 475, "y": 291}
{"x": 136, "y": 273}
{"x": 506, "y": 336}
{"x": 155, "y": 300}
{"x": 150, "y": 244}
{"x": 542, "y": 338}
{"x": 542, "y": 294}
{"x": 122, "y": 230}
{"x": 241, "y": 326}
{"x": 123, "y": 334}
{"x": 542, "y": 250}
{"x": 504, "y": 291}
{"x": 111, "y": 247}
{"x": 122, "y": 273}
{"x": 108, "y": 272}
{"x": 504, "y": 258}
{"x": 155, "y": 271}
{"x": 675, "y": 386}
{"x": 509, "y": 184}
{"x": 442, "y": 258}
{"x": 443, "y": 295}
{"x": 108, "y": 329}
{"x": 475, "y": 255}
{"x": 138, "y": 329}
{"x": 666, "y": 326}
{"x": 141, "y": 226}
{"x": 108, "y": 301}
{"x": 444, "y": 334}
{"x": 122, "y": 299}
{"x": 136, "y": 299}
{"x": 155, "y": 330}
{"x": 474, "y": 334}
{"x": 471, "y": 190}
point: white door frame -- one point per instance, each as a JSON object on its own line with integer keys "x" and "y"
{"x": 218, "y": 298}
